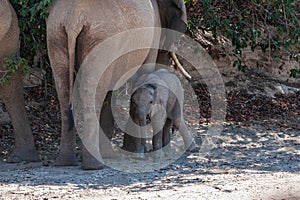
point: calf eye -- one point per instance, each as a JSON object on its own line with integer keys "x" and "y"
{"x": 151, "y": 102}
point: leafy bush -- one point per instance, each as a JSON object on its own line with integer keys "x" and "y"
{"x": 272, "y": 26}
{"x": 10, "y": 66}
{"x": 246, "y": 23}
{"x": 31, "y": 16}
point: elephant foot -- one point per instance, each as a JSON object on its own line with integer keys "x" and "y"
{"x": 193, "y": 148}
{"x": 168, "y": 151}
{"x": 66, "y": 161}
{"x": 91, "y": 163}
{"x": 138, "y": 156}
{"x": 130, "y": 147}
{"x": 139, "y": 153}
{"x": 109, "y": 153}
{"x": 135, "y": 152}
{"x": 127, "y": 148}
{"x": 158, "y": 154}
{"x": 19, "y": 155}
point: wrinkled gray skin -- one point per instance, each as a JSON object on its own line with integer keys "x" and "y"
{"x": 172, "y": 16}
{"x": 158, "y": 98}
{"x": 12, "y": 93}
{"x": 74, "y": 29}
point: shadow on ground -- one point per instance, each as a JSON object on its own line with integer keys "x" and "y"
{"x": 238, "y": 150}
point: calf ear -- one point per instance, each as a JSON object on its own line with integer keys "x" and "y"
{"x": 153, "y": 90}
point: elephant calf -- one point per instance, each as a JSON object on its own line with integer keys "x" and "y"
{"x": 158, "y": 98}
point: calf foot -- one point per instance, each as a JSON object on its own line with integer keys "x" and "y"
{"x": 168, "y": 151}
{"x": 139, "y": 153}
{"x": 139, "y": 156}
{"x": 158, "y": 154}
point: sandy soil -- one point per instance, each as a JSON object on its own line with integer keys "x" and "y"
{"x": 258, "y": 158}
{"x": 249, "y": 161}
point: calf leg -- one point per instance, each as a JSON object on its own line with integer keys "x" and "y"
{"x": 128, "y": 143}
{"x": 157, "y": 141}
{"x": 132, "y": 143}
{"x": 166, "y": 137}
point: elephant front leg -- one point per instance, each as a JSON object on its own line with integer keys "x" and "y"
{"x": 12, "y": 94}
{"x": 133, "y": 141}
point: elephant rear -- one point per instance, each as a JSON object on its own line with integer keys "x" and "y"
{"x": 9, "y": 31}
{"x": 76, "y": 33}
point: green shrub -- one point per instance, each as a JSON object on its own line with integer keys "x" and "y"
{"x": 32, "y": 15}
{"x": 10, "y": 66}
{"x": 272, "y": 26}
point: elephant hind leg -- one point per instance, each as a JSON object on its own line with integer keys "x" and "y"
{"x": 24, "y": 149}
{"x": 166, "y": 138}
{"x": 166, "y": 133}
{"x": 59, "y": 64}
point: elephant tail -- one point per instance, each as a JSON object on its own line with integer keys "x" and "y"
{"x": 71, "y": 51}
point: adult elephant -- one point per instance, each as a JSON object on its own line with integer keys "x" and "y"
{"x": 74, "y": 29}
{"x": 12, "y": 92}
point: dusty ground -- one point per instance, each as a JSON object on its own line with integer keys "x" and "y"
{"x": 250, "y": 161}
{"x": 255, "y": 158}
